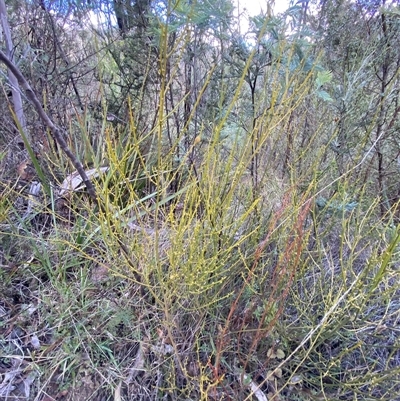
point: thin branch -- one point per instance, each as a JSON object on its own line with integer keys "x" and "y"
{"x": 56, "y": 133}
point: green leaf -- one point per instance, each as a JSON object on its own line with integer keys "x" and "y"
{"x": 324, "y": 95}
{"x": 323, "y": 77}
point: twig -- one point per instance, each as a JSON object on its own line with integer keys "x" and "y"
{"x": 56, "y": 133}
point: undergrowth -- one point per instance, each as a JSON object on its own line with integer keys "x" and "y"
{"x": 199, "y": 277}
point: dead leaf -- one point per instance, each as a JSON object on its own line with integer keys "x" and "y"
{"x": 275, "y": 353}
{"x": 271, "y": 353}
{"x": 99, "y": 273}
{"x": 254, "y": 387}
{"x": 28, "y": 381}
{"x": 274, "y": 374}
{"x": 35, "y": 341}
{"x": 139, "y": 361}
{"x": 25, "y": 170}
{"x": 117, "y": 392}
{"x": 7, "y": 385}
{"x": 297, "y": 379}
{"x": 74, "y": 182}
{"x": 279, "y": 353}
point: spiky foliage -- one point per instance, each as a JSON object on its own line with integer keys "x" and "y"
{"x": 230, "y": 257}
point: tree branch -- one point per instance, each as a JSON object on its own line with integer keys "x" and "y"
{"x": 57, "y": 135}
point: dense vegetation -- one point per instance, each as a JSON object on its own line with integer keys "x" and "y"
{"x": 195, "y": 210}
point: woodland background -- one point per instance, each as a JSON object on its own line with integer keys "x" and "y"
{"x": 193, "y": 210}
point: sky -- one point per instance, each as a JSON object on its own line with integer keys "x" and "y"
{"x": 254, "y": 7}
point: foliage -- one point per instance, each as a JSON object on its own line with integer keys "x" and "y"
{"x": 244, "y": 239}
